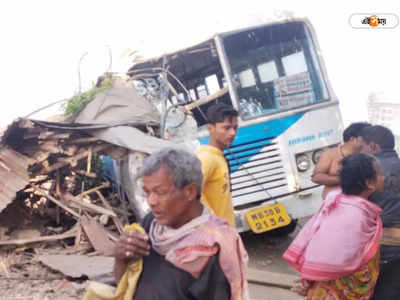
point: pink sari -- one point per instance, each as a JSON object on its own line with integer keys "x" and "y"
{"x": 342, "y": 236}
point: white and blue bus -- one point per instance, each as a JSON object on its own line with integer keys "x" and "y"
{"x": 274, "y": 75}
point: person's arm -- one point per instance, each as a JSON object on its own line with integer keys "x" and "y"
{"x": 131, "y": 246}
{"x": 321, "y": 172}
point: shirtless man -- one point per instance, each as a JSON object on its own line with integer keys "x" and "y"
{"x": 326, "y": 171}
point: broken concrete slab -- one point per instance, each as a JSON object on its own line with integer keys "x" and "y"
{"x": 76, "y": 266}
{"x": 98, "y": 236}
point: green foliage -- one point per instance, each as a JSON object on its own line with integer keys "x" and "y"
{"x": 78, "y": 102}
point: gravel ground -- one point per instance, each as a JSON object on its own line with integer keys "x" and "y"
{"x": 24, "y": 278}
{"x": 265, "y": 250}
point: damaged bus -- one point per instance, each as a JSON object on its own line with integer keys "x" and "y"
{"x": 274, "y": 75}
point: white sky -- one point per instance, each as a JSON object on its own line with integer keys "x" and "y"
{"x": 42, "y": 42}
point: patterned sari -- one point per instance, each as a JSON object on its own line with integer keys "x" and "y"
{"x": 358, "y": 286}
{"x": 337, "y": 251}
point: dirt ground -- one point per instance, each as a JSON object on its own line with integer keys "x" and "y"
{"x": 25, "y": 278}
{"x": 22, "y": 277}
{"x": 265, "y": 252}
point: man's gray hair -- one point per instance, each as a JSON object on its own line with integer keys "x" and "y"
{"x": 184, "y": 167}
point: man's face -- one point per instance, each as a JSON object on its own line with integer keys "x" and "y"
{"x": 366, "y": 147}
{"x": 168, "y": 204}
{"x": 223, "y": 133}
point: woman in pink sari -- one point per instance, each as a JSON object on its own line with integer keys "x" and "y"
{"x": 337, "y": 251}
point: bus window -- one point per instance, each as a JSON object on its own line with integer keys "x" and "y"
{"x": 277, "y": 69}
{"x": 212, "y": 84}
{"x": 246, "y": 78}
{"x": 267, "y": 71}
{"x": 202, "y": 91}
{"x": 294, "y": 63}
{"x": 192, "y": 94}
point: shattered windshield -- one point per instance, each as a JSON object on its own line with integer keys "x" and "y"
{"x": 275, "y": 69}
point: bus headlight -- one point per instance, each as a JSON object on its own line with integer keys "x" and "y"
{"x": 303, "y": 163}
{"x": 316, "y": 155}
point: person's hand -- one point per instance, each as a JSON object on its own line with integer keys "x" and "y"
{"x": 301, "y": 286}
{"x": 132, "y": 245}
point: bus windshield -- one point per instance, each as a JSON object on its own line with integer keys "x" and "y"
{"x": 275, "y": 69}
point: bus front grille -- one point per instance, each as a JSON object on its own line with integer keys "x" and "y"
{"x": 256, "y": 171}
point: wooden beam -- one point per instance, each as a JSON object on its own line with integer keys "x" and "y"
{"x": 68, "y": 234}
{"x": 59, "y": 203}
{"x": 87, "y": 140}
{"x": 207, "y": 99}
{"x": 95, "y": 189}
{"x": 72, "y": 160}
{"x": 116, "y": 221}
{"x": 83, "y": 173}
{"x": 80, "y": 203}
{"x": 89, "y": 160}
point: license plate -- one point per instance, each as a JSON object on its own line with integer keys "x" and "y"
{"x": 267, "y": 218}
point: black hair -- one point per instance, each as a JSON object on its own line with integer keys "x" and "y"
{"x": 354, "y": 130}
{"x": 379, "y": 134}
{"x": 356, "y": 170}
{"x": 219, "y": 112}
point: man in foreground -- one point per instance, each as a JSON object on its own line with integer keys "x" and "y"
{"x": 222, "y": 126}
{"x": 327, "y": 170}
{"x": 379, "y": 141}
{"x": 187, "y": 252}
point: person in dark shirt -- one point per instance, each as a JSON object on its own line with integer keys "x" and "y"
{"x": 379, "y": 141}
{"x": 187, "y": 252}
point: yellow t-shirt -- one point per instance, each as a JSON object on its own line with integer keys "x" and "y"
{"x": 216, "y": 187}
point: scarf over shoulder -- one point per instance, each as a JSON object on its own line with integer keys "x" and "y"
{"x": 191, "y": 246}
{"x": 342, "y": 236}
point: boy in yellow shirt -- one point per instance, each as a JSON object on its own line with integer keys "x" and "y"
{"x": 222, "y": 126}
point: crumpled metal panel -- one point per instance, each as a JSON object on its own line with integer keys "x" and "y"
{"x": 13, "y": 175}
{"x": 121, "y": 103}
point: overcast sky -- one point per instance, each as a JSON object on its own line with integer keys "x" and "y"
{"x": 42, "y": 42}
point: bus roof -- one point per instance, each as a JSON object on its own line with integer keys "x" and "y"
{"x": 196, "y": 52}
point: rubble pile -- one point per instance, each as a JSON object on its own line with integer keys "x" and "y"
{"x": 54, "y": 198}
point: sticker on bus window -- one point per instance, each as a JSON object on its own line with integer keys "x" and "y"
{"x": 293, "y": 91}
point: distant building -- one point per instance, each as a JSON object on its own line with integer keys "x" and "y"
{"x": 382, "y": 111}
